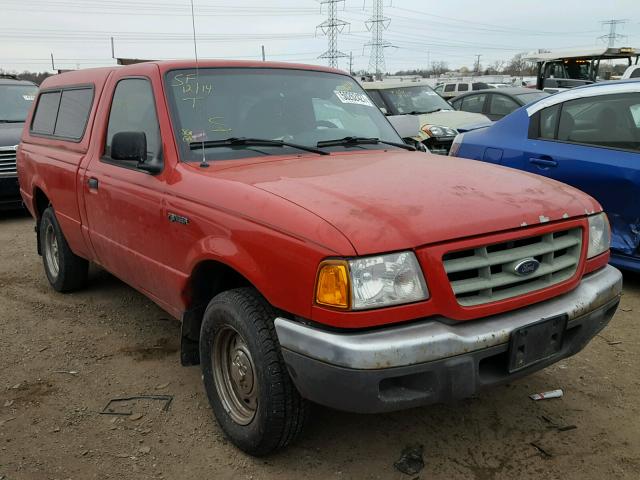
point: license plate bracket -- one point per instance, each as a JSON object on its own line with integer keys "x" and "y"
{"x": 536, "y": 342}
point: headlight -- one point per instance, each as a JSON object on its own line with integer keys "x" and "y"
{"x": 455, "y": 146}
{"x": 439, "y": 131}
{"x": 599, "y": 235}
{"x": 386, "y": 280}
{"x": 372, "y": 282}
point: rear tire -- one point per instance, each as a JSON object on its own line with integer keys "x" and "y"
{"x": 65, "y": 270}
{"x": 246, "y": 380}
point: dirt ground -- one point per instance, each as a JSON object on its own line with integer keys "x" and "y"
{"x": 63, "y": 357}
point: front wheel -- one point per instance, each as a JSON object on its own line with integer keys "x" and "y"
{"x": 246, "y": 380}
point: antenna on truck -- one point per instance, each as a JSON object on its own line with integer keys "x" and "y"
{"x": 203, "y": 162}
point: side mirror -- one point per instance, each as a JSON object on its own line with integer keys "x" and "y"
{"x": 129, "y": 146}
{"x": 132, "y": 146}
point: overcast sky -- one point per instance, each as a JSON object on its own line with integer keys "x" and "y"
{"x": 78, "y": 32}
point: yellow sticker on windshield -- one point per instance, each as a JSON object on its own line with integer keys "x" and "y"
{"x": 187, "y": 135}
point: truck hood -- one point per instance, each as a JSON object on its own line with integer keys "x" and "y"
{"x": 384, "y": 201}
{"x": 10, "y": 134}
{"x": 409, "y": 125}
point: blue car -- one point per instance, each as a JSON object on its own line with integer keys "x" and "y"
{"x": 587, "y": 137}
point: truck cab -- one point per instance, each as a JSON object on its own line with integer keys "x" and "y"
{"x": 563, "y": 69}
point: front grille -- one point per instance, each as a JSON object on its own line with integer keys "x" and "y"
{"x": 8, "y": 162}
{"x": 440, "y": 146}
{"x": 487, "y": 274}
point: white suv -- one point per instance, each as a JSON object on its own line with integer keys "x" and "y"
{"x": 451, "y": 89}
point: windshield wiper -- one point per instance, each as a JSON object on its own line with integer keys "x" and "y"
{"x": 257, "y": 142}
{"x": 11, "y": 121}
{"x": 347, "y": 141}
{"x": 415, "y": 112}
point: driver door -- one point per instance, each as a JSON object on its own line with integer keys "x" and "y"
{"x": 127, "y": 224}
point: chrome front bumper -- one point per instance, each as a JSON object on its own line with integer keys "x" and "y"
{"x": 435, "y": 346}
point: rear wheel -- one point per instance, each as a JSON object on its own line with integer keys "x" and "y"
{"x": 65, "y": 270}
{"x": 246, "y": 380}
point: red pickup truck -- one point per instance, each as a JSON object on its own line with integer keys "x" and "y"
{"x": 309, "y": 253}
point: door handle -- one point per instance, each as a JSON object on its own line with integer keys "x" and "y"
{"x": 543, "y": 162}
{"x": 93, "y": 183}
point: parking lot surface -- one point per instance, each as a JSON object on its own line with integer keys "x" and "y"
{"x": 65, "y": 356}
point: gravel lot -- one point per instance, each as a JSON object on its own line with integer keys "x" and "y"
{"x": 65, "y": 356}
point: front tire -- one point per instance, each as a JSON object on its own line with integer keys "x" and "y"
{"x": 246, "y": 380}
{"x": 65, "y": 270}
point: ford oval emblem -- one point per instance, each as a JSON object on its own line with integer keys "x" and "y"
{"x": 526, "y": 267}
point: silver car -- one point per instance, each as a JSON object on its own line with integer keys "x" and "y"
{"x": 417, "y": 112}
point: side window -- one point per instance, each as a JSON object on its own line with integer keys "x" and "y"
{"x": 377, "y": 99}
{"x": 548, "y": 119}
{"x": 44, "y": 119}
{"x": 502, "y": 105}
{"x": 456, "y": 104}
{"x": 73, "y": 113}
{"x": 439, "y": 88}
{"x": 463, "y": 87}
{"x": 450, "y": 87}
{"x": 605, "y": 121}
{"x": 635, "y": 73}
{"x": 635, "y": 113}
{"x": 133, "y": 110}
{"x": 473, "y": 103}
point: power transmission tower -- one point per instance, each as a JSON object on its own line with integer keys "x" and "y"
{"x": 331, "y": 27}
{"x": 612, "y": 36}
{"x": 477, "y": 69}
{"x": 377, "y": 24}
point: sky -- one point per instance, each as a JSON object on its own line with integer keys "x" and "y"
{"x": 78, "y": 32}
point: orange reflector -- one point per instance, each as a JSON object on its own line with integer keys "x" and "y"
{"x": 332, "y": 288}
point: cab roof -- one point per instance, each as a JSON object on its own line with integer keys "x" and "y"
{"x": 583, "y": 54}
{"x": 385, "y": 85}
{"x": 93, "y": 75}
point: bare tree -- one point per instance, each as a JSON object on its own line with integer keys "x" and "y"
{"x": 519, "y": 67}
{"x": 495, "y": 68}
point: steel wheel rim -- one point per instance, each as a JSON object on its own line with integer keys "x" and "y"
{"x": 234, "y": 375}
{"x": 51, "y": 251}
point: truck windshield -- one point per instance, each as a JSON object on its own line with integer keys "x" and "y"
{"x": 15, "y": 101}
{"x": 416, "y": 99}
{"x": 295, "y": 107}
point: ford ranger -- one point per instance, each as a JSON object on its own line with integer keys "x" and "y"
{"x": 310, "y": 254}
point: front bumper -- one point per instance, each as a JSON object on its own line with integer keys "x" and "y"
{"x": 436, "y": 360}
{"x": 9, "y": 193}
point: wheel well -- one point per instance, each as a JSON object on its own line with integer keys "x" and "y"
{"x": 208, "y": 279}
{"x": 41, "y": 202}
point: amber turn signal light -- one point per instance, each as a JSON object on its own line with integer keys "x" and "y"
{"x": 332, "y": 287}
